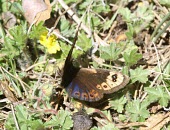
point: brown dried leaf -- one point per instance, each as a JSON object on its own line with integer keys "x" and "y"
{"x": 121, "y": 37}
{"x": 4, "y": 87}
{"x": 36, "y": 10}
{"x": 156, "y": 122}
{"x": 9, "y": 19}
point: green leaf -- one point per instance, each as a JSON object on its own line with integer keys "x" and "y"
{"x": 16, "y": 8}
{"x": 5, "y": 5}
{"x": 95, "y": 22}
{"x": 137, "y": 110}
{"x": 122, "y": 117}
{"x": 108, "y": 114}
{"x": 111, "y": 52}
{"x": 138, "y": 20}
{"x": 132, "y": 57}
{"x": 24, "y": 118}
{"x": 165, "y": 2}
{"x": 118, "y": 104}
{"x": 70, "y": 1}
{"x": 36, "y": 125}
{"x": 37, "y": 30}
{"x": 83, "y": 41}
{"x": 84, "y": 5}
{"x": 145, "y": 13}
{"x": 166, "y": 71}
{"x": 98, "y": 7}
{"x": 159, "y": 94}
{"x": 62, "y": 120}
{"x": 19, "y": 35}
{"x": 139, "y": 75}
{"x": 66, "y": 28}
{"x": 9, "y": 124}
{"x": 21, "y": 113}
{"x": 15, "y": 43}
{"x": 9, "y": 49}
{"x": 126, "y": 13}
{"x": 130, "y": 31}
{"x": 107, "y": 24}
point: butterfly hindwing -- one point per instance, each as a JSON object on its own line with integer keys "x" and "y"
{"x": 83, "y": 91}
{"x": 91, "y": 84}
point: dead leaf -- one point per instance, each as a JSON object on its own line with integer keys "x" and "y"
{"x": 36, "y": 10}
{"x": 156, "y": 122}
{"x": 9, "y": 19}
{"x": 121, "y": 37}
{"x": 4, "y": 87}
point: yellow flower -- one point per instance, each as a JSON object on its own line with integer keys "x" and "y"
{"x": 50, "y": 43}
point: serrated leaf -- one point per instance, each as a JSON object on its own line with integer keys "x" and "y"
{"x": 84, "y": 4}
{"x": 62, "y": 120}
{"x": 19, "y": 35}
{"x": 83, "y": 41}
{"x": 132, "y": 57}
{"x": 9, "y": 48}
{"x": 130, "y": 31}
{"x": 16, "y": 42}
{"x": 66, "y": 28}
{"x": 21, "y": 113}
{"x": 145, "y": 13}
{"x": 108, "y": 115}
{"x": 25, "y": 120}
{"x": 159, "y": 94}
{"x": 95, "y": 22}
{"x": 100, "y": 8}
{"x": 125, "y": 12}
{"x": 9, "y": 124}
{"x": 118, "y": 104}
{"x": 137, "y": 110}
{"x": 36, "y": 125}
{"x": 37, "y": 30}
{"x": 139, "y": 75}
{"x": 107, "y": 24}
{"x": 122, "y": 117}
{"x": 16, "y": 8}
{"x": 111, "y": 52}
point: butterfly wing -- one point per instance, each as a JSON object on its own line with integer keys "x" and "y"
{"x": 79, "y": 90}
{"x": 91, "y": 84}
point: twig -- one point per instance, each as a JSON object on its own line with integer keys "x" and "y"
{"x": 65, "y": 39}
{"x": 16, "y": 77}
{"x": 39, "y": 63}
{"x": 15, "y": 120}
{"x": 36, "y": 86}
{"x": 62, "y": 13}
{"x": 131, "y": 124}
{"x": 83, "y": 26}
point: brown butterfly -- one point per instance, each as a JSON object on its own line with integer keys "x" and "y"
{"x": 90, "y": 84}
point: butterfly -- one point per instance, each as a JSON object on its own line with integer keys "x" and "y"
{"x": 88, "y": 84}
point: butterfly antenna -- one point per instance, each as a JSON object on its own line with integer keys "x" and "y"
{"x": 73, "y": 45}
